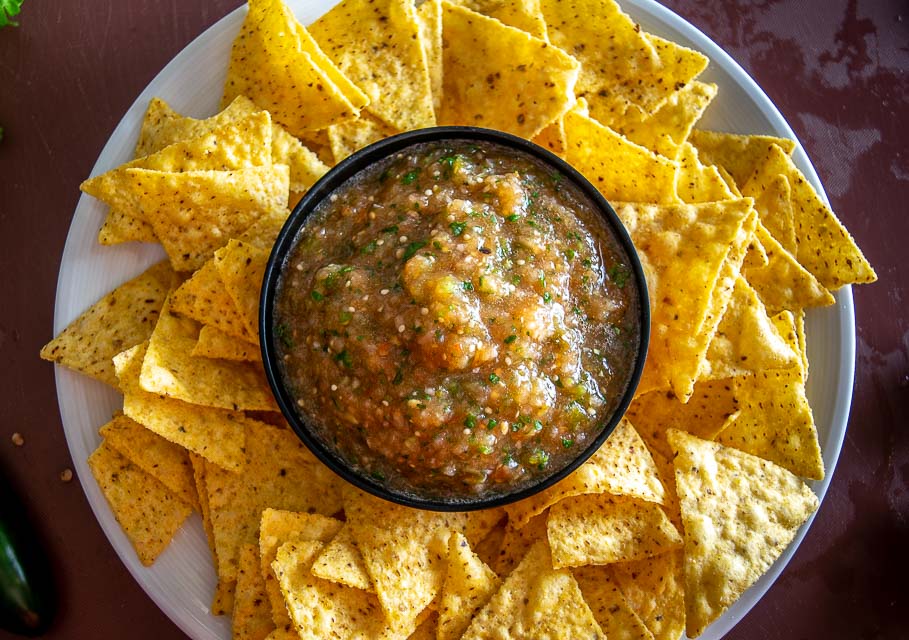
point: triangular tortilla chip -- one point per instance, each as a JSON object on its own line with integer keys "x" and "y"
{"x": 146, "y": 510}
{"x": 516, "y": 542}
{"x": 124, "y": 317}
{"x": 602, "y": 529}
{"x": 120, "y": 227}
{"x": 214, "y": 343}
{"x": 340, "y": 561}
{"x": 429, "y": 17}
{"x": 469, "y": 584}
{"x": 251, "y": 619}
{"x": 500, "y": 77}
{"x": 619, "y": 168}
{"x": 622, "y": 466}
{"x": 610, "y": 608}
{"x": 205, "y": 299}
{"x": 740, "y": 512}
{"x": 696, "y": 182}
{"x": 481, "y": 522}
{"x": 520, "y": 14}
{"x": 377, "y": 45}
{"x": 773, "y": 202}
{"x": 653, "y": 588}
{"x": 242, "y": 268}
{"x": 351, "y": 136}
{"x": 737, "y": 154}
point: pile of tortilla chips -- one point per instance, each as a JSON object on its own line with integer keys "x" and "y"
{"x": 691, "y": 499}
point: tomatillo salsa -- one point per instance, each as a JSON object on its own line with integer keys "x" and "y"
{"x": 457, "y": 319}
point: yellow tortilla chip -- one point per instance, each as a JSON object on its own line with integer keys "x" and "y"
{"x": 195, "y": 213}
{"x": 165, "y": 461}
{"x": 740, "y": 512}
{"x": 146, "y": 510}
{"x": 120, "y": 227}
{"x": 469, "y": 584}
{"x": 215, "y": 434}
{"x": 429, "y": 19}
{"x": 214, "y": 343}
{"x": 124, "y": 317}
{"x": 351, "y": 136}
{"x": 520, "y": 14}
{"x": 622, "y": 466}
{"x": 481, "y": 523}
{"x": 602, "y": 529}
{"x": 170, "y": 369}
{"x": 205, "y": 299}
{"x": 489, "y": 547}
{"x": 516, "y": 542}
{"x": 500, "y": 77}
{"x": 620, "y": 169}
{"x": 739, "y": 155}
{"x": 340, "y": 561}
{"x": 395, "y": 541}
{"x": 773, "y": 202}
{"x": 251, "y": 618}
{"x": 696, "y": 182}
{"x": 825, "y": 248}
{"x": 775, "y": 422}
{"x": 536, "y": 601}
{"x": 654, "y": 589}
{"x": 553, "y": 136}
{"x": 691, "y": 255}
{"x": 269, "y": 65}
{"x": 803, "y": 347}
{"x": 377, "y": 45}
{"x": 242, "y": 268}
{"x": 610, "y": 609}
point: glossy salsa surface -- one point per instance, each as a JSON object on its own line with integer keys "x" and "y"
{"x": 457, "y": 320}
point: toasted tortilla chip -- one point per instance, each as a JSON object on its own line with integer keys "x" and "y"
{"x": 146, "y": 510}
{"x": 746, "y": 341}
{"x": 469, "y": 584}
{"x": 620, "y": 169}
{"x": 378, "y": 46}
{"x": 170, "y": 369}
{"x": 665, "y": 130}
{"x": 395, "y": 541}
{"x": 242, "y": 268}
{"x": 205, "y": 299}
{"x": 696, "y": 182}
{"x": 706, "y": 412}
{"x": 124, "y": 317}
{"x": 500, "y": 77}
{"x": 215, "y": 434}
{"x": 214, "y": 343}
{"x": 351, "y": 136}
{"x": 480, "y": 523}
{"x": 691, "y": 256}
{"x": 775, "y": 422}
{"x": 516, "y": 542}
{"x": 120, "y": 227}
{"x": 740, "y": 512}
{"x": 195, "y": 213}
{"x": 553, "y": 136}
{"x": 269, "y": 65}
{"x": 278, "y": 527}
{"x": 198, "y": 463}
{"x": 825, "y": 248}
{"x": 165, "y": 461}
{"x": 251, "y": 613}
{"x": 739, "y": 155}
{"x": 773, "y": 202}
{"x": 536, "y": 601}
{"x": 340, "y": 561}
{"x": 610, "y": 609}
{"x": 429, "y": 20}
{"x": 520, "y": 14}
{"x": 602, "y": 529}
{"x": 279, "y": 472}
{"x": 490, "y": 546}
{"x": 654, "y": 589}
{"x": 622, "y": 466}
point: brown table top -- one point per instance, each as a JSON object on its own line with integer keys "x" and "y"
{"x": 837, "y": 70}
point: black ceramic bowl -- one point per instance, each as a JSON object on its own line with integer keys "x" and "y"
{"x": 304, "y": 426}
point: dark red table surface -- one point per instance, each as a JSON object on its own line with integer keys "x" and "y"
{"x": 837, "y": 70}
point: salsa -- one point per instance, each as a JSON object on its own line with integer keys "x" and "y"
{"x": 458, "y": 320}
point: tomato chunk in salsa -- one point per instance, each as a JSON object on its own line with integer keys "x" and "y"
{"x": 457, "y": 320}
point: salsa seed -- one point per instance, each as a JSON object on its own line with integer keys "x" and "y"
{"x": 401, "y": 328}
{"x": 424, "y": 311}
{"x": 334, "y": 387}
{"x": 384, "y": 292}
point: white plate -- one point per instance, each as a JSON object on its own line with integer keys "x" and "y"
{"x": 182, "y": 580}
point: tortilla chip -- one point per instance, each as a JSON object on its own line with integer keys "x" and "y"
{"x": 251, "y": 613}
{"x": 773, "y": 202}
{"x": 654, "y": 590}
{"x": 691, "y": 256}
{"x": 242, "y": 270}
{"x": 166, "y": 462}
{"x": 340, "y": 561}
{"x": 610, "y": 609}
{"x": 706, "y": 412}
{"x": 516, "y": 542}
{"x": 124, "y": 317}
{"x": 428, "y": 628}
{"x": 120, "y": 227}
{"x": 278, "y": 527}
{"x": 429, "y": 20}
{"x": 620, "y": 169}
{"x": 622, "y": 466}
{"x": 198, "y": 464}
{"x": 378, "y": 46}
{"x": 395, "y": 542}
{"x": 195, "y": 213}
{"x": 602, "y": 529}
{"x": 269, "y": 65}
{"x": 520, "y": 14}
{"x": 803, "y": 346}
{"x": 146, "y": 510}
{"x": 667, "y": 476}
{"x": 746, "y": 341}
{"x": 536, "y": 601}
{"x": 696, "y": 182}
{"x": 739, "y": 155}
{"x": 205, "y": 299}
{"x": 490, "y": 546}
{"x": 553, "y": 136}
{"x": 469, "y": 584}
{"x": 665, "y": 130}
{"x": 775, "y": 422}
{"x": 351, "y": 136}
{"x": 740, "y": 513}
{"x": 500, "y": 77}
{"x": 825, "y": 248}
{"x": 279, "y": 472}
{"x": 481, "y": 522}
{"x": 214, "y": 343}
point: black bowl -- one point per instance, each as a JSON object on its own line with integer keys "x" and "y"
{"x": 285, "y": 243}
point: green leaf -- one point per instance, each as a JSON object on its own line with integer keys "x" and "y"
{"x": 8, "y": 9}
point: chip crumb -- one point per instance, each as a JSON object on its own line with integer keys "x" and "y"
{"x": 66, "y": 475}
{"x": 17, "y": 439}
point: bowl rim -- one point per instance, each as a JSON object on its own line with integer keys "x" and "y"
{"x": 285, "y": 243}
